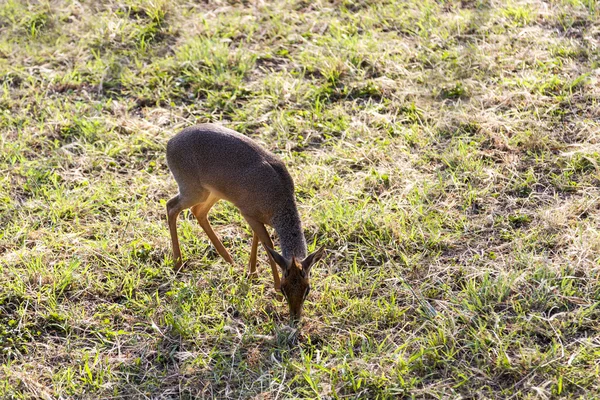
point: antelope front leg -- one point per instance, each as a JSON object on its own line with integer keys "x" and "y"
{"x": 260, "y": 230}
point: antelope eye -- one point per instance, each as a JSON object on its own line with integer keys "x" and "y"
{"x": 307, "y": 292}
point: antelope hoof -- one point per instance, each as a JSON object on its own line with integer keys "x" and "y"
{"x": 178, "y": 266}
{"x": 278, "y": 294}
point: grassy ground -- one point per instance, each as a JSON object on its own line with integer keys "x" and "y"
{"x": 447, "y": 153}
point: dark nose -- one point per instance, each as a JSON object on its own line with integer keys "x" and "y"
{"x": 295, "y": 318}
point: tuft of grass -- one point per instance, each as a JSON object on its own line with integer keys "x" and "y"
{"x": 444, "y": 152}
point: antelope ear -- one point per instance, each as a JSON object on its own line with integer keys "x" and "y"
{"x": 312, "y": 259}
{"x": 278, "y": 258}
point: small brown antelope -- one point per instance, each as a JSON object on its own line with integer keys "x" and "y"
{"x": 209, "y": 163}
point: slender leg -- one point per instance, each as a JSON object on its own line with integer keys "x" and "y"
{"x": 173, "y": 210}
{"x": 253, "y": 255}
{"x": 260, "y": 230}
{"x": 200, "y": 211}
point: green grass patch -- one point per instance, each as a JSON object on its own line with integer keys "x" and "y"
{"x": 445, "y": 153}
